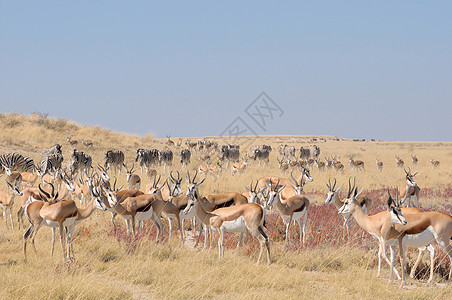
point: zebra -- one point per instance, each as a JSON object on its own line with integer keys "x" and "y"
{"x": 147, "y": 158}
{"x": 16, "y": 162}
{"x": 230, "y": 153}
{"x": 50, "y": 164}
{"x": 166, "y": 158}
{"x": 79, "y": 161}
{"x": 185, "y": 155}
{"x": 261, "y": 155}
{"x": 114, "y": 158}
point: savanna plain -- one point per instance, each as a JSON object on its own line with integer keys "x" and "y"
{"x": 110, "y": 264}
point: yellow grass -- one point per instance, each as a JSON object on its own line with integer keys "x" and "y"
{"x": 106, "y": 268}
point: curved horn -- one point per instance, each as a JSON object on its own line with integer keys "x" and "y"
{"x": 291, "y": 175}
{"x": 44, "y": 192}
{"x": 334, "y": 185}
{"x": 188, "y": 174}
{"x": 194, "y": 178}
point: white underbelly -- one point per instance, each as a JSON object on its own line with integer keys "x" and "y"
{"x": 67, "y": 223}
{"x": 145, "y": 215}
{"x": 298, "y": 215}
{"x": 234, "y": 226}
{"x": 191, "y": 214}
{"x": 416, "y": 240}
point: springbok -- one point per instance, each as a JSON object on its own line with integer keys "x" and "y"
{"x": 230, "y": 219}
{"x": 12, "y": 177}
{"x": 400, "y": 163}
{"x": 33, "y": 209}
{"x": 356, "y": 164}
{"x": 293, "y": 208}
{"x": 133, "y": 180}
{"x": 411, "y": 191}
{"x": 333, "y": 197}
{"x": 288, "y": 191}
{"x": 379, "y": 165}
{"x": 239, "y": 167}
{"x": 7, "y": 202}
{"x": 414, "y": 160}
{"x": 435, "y": 163}
{"x": 377, "y": 225}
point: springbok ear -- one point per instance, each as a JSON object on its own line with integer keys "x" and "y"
{"x": 339, "y": 188}
{"x": 200, "y": 182}
{"x": 246, "y": 188}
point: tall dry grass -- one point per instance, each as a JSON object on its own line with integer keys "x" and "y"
{"x": 111, "y": 265}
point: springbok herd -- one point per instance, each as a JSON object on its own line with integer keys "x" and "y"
{"x": 53, "y": 202}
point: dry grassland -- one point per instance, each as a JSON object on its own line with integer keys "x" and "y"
{"x": 109, "y": 265}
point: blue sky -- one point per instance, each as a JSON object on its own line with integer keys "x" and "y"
{"x": 356, "y": 69}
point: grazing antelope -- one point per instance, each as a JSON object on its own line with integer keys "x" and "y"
{"x": 379, "y": 165}
{"x": 71, "y": 141}
{"x": 229, "y": 219}
{"x": 239, "y": 167}
{"x": 133, "y": 180}
{"x": 203, "y": 169}
{"x": 333, "y": 197}
{"x": 293, "y": 208}
{"x": 7, "y": 202}
{"x": 215, "y": 169}
{"x": 338, "y": 166}
{"x": 356, "y": 164}
{"x": 400, "y": 163}
{"x": 377, "y": 225}
{"x": 414, "y": 160}
{"x": 411, "y": 191}
{"x": 435, "y": 163}
{"x": 289, "y": 191}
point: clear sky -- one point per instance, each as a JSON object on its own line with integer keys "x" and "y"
{"x": 356, "y": 69}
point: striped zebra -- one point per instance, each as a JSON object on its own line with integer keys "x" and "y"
{"x": 50, "y": 164}
{"x": 114, "y": 158}
{"x": 16, "y": 162}
{"x": 79, "y": 161}
{"x": 147, "y": 158}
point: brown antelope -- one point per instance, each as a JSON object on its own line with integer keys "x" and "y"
{"x": 179, "y": 143}
{"x": 136, "y": 207}
{"x": 71, "y": 141}
{"x": 133, "y": 180}
{"x": 400, "y": 163}
{"x": 169, "y": 142}
{"x": 411, "y": 190}
{"x": 229, "y": 219}
{"x": 356, "y": 164}
{"x": 283, "y": 166}
{"x": 215, "y": 169}
{"x": 252, "y": 194}
{"x": 378, "y": 225}
{"x": 320, "y": 165}
{"x": 203, "y": 169}
{"x": 414, "y": 160}
{"x": 33, "y": 213}
{"x": 333, "y": 197}
{"x": 287, "y": 192}
{"x": 87, "y": 144}
{"x": 29, "y": 178}
{"x": 7, "y": 202}
{"x": 294, "y": 208}
{"x": 338, "y": 166}
{"x": 12, "y": 177}
{"x": 379, "y": 165}
{"x": 239, "y": 167}
{"x": 435, "y": 163}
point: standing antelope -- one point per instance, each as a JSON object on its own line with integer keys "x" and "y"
{"x": 293, "y": 208}
{"x": 289, "y": 191}
{"x": 283, "y": 165}
{"x": 414, "y": 160}
{"x": 230, "y": 219}
{"x": 411, "y": 191}
{"x": 379, "y": 165}
{"x": 71, "y": 141}
{"x": 215, "y": 169}
{"x": 400, "y": 163}
{"x": 356, "y": 164}
{"x": 377, "y": 225}
{"x": 333, "y": 197}
{"x": 133, "y": 180}
{"x": 12, "y": 177}
{"x": 435, "y": 163}
{"x": 7, "y": 202}
{"x": 239, "y": 167}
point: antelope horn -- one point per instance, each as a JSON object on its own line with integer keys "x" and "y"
{"x": 255, "y": 187}
{"x": 194, "y": 178}
{"x": 114, "y": 184}
{"x": 188, "y": 173}
{"x": 334, "y": 185}
{"x": 44, "y": 192}
{"x": 291, "y": 175}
